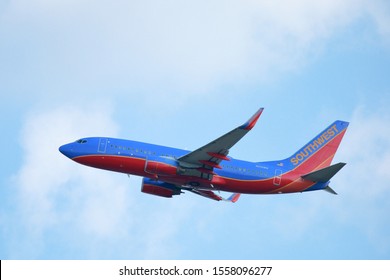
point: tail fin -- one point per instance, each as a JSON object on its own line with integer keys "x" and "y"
{"x": 319, "y": 152}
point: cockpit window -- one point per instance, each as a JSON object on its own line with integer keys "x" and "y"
{"x": 81, "y": 141}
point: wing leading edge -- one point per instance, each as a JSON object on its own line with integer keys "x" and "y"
{"x": 202, "y": 161}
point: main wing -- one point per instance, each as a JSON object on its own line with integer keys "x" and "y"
{"x": 163, "y": 189}
{"x": 202, "y": 161}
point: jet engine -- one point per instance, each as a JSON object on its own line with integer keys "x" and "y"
{"x": 159, "y": 188}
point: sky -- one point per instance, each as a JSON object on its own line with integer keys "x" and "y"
{"x": 182, "y": 73}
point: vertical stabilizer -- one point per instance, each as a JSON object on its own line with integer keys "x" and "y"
{"x": 319, "y": 152}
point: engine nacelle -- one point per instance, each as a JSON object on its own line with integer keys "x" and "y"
{"x": 162, "y": 166}
{"x": 158, "y": 188}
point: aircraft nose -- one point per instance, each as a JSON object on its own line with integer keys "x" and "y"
{"x": 66, "y": 150}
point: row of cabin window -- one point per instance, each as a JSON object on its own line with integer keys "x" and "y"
{"x": 137, "y": 150}
{"x": 246, "y": 170}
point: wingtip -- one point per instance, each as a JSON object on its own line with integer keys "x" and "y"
{"x": 234, "y": 197}
{"x": 253, "y": 120}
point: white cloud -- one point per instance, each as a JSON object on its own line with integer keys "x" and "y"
{"x": 379, "y": 11}
{"x": 172, "y": 48}
{"x": 367, "y": 151}
{"x": 92, "y": 211}
{"x": 49, "y": 185}
{"x": 363, "y": 183}
{"x": 45, "y": 173}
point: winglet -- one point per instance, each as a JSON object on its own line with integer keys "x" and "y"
{"x": 234, "y": 197}
{"x": 252, "y": 121}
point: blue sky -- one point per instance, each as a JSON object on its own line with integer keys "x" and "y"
{"x": 182, "y": 74}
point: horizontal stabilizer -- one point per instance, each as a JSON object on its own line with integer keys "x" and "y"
{"x": 330, "y": 190}
{"x": 325, "y": 174}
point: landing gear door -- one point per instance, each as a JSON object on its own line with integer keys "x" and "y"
{"x": 102, "y": 145}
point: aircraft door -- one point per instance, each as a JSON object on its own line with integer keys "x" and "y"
{"x": 102, "y": 145}
{"x": 278, "y": 177}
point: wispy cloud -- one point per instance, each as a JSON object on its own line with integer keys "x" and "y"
{"x": 169, "y": 48}
{"x": 43, "y": 176}
{"x": 364, "y": 182}
{"x": 83, "y": 207}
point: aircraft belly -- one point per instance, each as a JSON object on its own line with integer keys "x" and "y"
{"x": 265, "y": 186}
{"x": 122, "y": 164}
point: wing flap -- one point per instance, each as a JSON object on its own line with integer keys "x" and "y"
{"x": 210, "y": 194}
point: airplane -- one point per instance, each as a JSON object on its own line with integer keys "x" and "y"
{"x": 207, "y": 171}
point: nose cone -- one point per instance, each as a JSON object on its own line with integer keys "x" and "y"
{"x": 67, "y": 150}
